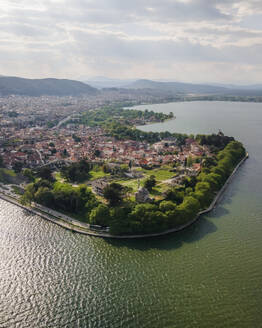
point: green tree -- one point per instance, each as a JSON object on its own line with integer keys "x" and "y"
{"x": 167, "y": 205}
{"x": 214, "y": 180}
{"x": 209, "y": 162}
{"x": 150, "y": 183}
{"x": 204, "y": 197}
{"x": 28, "y": 195}
{"x": 45, "y": 173}
{"x": 28, "y": 173}
{"x": 100, "y": 215}
{"x": 120, "y": 221}
{"x": 203, "y": 186}
{"x": 44, "y": 196}
{"x": 150, "y": 218}
{"x": 113, "y": 193}
{"x": 187, "y": 210}
{"x": 77, "y": 172}
{"x": 174, "y": 195}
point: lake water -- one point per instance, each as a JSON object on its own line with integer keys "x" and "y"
{"x": 209, "y": 275}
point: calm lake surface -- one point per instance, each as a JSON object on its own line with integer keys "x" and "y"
{"x": 209, "y": 275}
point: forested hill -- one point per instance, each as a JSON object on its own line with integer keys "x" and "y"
{"x": 39, "y": 87}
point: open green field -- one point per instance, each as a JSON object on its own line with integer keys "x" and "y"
{"x": 58, "y": 177}
{"x": 161, "y": 174}
{"x": 97, "y": 172}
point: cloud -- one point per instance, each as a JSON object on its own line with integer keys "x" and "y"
{"x": 139, "y": 38}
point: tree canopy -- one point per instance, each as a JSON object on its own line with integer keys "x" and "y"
{"x": 76, "y": 172}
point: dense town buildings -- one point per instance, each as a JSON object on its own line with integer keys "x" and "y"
{"x": 36, "y": 132}
{"x": 38, "y": 146}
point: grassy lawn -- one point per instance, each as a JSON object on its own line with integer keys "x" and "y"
{"x": 11, "y": 173}
{"x": 161, "y": 174}
{"x": 58, "y": 177}
{"x": 97, "y": 173}
{"x": 156, "y": 192}
{"x": 132, "y": 183}
{"x": 161, "y": 187}
{"x": 6, "y": 174}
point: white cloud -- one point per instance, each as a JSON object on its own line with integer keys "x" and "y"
{"x": 196, "y": 40}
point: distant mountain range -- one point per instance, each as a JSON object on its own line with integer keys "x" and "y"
{"x": 39, "y": 87}
{"x": 176, "y": 87}
{"x": 170, "y": 87}
{"x": 189, "y": 88}
{"x": 239, "y": 87}
{"x": 62, "y": 87}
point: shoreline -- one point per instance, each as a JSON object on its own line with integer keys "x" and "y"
{"x": 152, "y": 123}
{"x": 195, "y": 100}
{"x": 76, "y": 226}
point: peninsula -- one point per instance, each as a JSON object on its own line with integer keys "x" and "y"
{"x": 97, "y": 172}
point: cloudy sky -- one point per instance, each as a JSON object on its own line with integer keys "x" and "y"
{"x": 180, "y": 40}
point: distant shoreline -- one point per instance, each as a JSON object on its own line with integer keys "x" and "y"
{"x": 151, "y": 123}
{"x": 80, "y": 227}
{"x": 195, "y": 100}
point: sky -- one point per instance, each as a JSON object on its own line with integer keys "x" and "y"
{"x": 200, "y": 41}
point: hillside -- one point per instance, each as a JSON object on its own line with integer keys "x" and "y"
{"x": 39, "y": 87}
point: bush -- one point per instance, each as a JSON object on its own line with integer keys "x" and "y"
{"x": 100, "y": 215}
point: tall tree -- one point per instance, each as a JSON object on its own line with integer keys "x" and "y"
{"x": 114, "y": 193}
{"x": 45, "y": 173}
{"x": 150, "y": 183}
{"x": 100, "y": 215}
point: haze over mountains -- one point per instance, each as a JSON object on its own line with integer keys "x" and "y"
{"x": 101, "y": 82}
{"x": 64, "y": 87}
